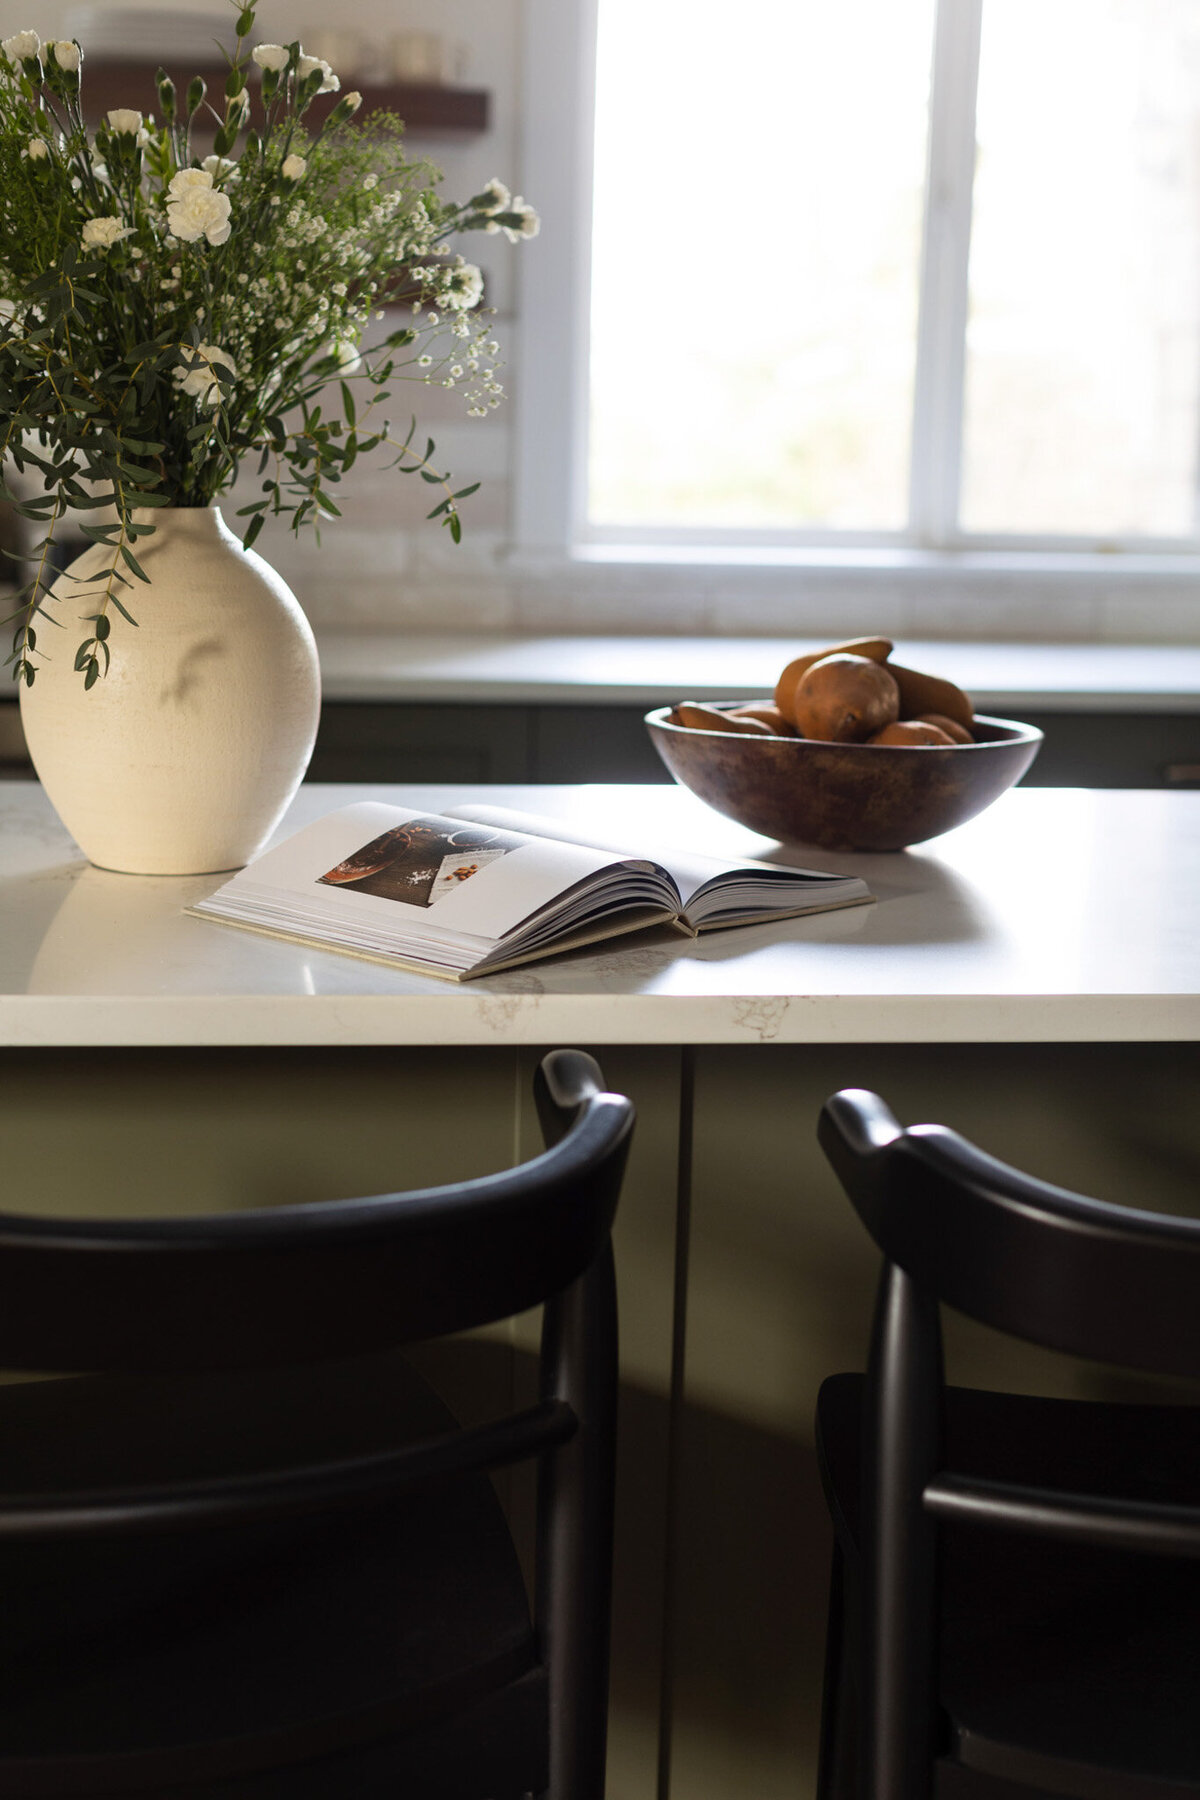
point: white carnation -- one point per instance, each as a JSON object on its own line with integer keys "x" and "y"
{"x": 21, "y": 45}
{"x": 270, "y": 56}
{"x": 497, "y": 197}
{"x": 195, "y": 209}
{"x": 199, "y": 379}
{"x": 465, "y": 286}
{"x": 125, "y": 121}
{"x": 529, "y": 226}
{"x": 104, "y": 232}
{"x": 329, "y": 81}
{"x": 293, "y": 168}
{"x": 67, "y": 55}
{"x": 37, "y": 149}
{"x": 221, "y": 168}
{"x": 189, "y": 178}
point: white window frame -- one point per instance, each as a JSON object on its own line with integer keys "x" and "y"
{"x": 551, "y": 422}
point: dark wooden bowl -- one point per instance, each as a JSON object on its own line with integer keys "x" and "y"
{"x": 845, "y": 796}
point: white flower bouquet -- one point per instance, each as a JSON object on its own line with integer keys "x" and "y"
{"x": 168, "y": 309}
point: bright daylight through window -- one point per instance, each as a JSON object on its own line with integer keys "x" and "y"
{"x": 784, "y": 348}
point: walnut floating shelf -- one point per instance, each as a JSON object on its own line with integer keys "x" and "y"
{"x": 424, "y": 106}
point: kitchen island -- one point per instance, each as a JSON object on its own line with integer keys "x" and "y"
{"x": 1032, "y": 979}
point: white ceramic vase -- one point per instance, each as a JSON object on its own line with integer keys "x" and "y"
{"x": 182, "y": 759}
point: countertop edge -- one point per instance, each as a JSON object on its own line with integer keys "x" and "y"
{"x": 493, "y": 1017}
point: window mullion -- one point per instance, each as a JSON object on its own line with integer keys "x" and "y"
{"x": 942, "y": 318}
{"x": 553, "y": 288}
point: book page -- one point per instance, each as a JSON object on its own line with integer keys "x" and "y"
{"x": 690, "y": 870}
{"x": 416, "y": 874}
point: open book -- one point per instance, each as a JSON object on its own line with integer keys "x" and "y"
{"x": 480, "y": 888}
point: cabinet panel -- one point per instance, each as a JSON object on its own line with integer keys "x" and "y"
{"x": 144, "y": 1132}
{"x": 403, "y": 742}
{"x": 594, "y": 743}
{"x": 780, "y": 1290}
{"x": 360, "y": 741}
{"x": 1134, "y": 750}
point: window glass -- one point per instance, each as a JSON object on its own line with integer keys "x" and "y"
{"x": 758, "y": 207}
{"x": 1082, "y": 371}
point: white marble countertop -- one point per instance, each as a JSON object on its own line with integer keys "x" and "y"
{"x": 652, "y": 671}
{"x": 1059, "y": 914}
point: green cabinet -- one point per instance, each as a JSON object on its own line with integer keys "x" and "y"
{"x": 412, "y": 741}
{"x": 397, "y": 741}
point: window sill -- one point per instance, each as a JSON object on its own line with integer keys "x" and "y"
{"x": 499, "y": 669}
{"x": 1022, "y": 596}
{"x": 872, "y": 561}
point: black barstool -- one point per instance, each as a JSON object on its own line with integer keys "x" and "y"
{"x": 1016, "y": 1586}
{"x": 247, "y": 1553}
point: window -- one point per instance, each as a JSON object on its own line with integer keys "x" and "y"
{"x": 756, "y": 263}
{"x": 919, "y": 276}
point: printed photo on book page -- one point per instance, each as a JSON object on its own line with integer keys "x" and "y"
{"x": 421, "y": 861}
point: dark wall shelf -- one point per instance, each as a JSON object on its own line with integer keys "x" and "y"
{"x": 423, "y": 106}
